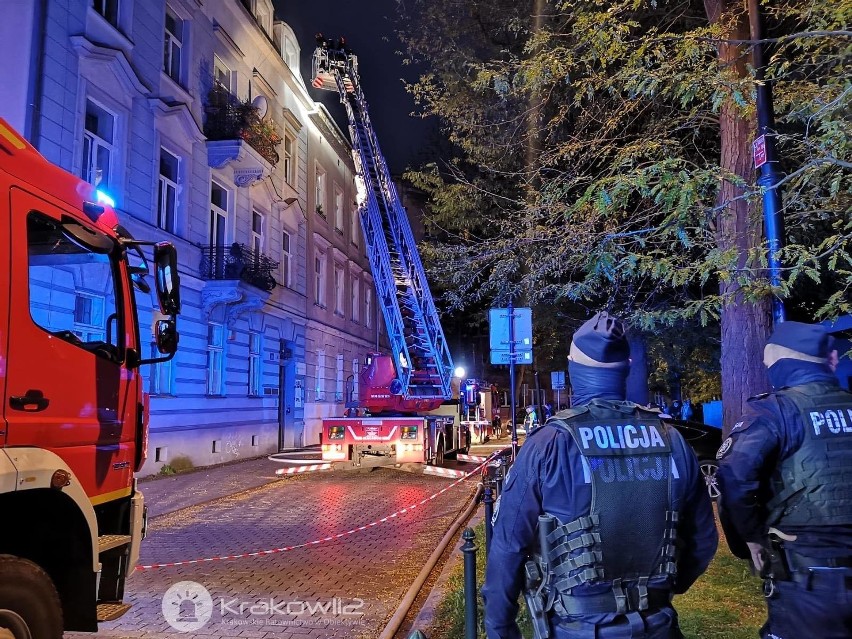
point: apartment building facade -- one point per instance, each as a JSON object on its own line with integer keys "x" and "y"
{"x": 193, "y": 117}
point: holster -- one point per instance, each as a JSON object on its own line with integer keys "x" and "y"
{"x": 775, "y": 565}
{"x": 536, "y": 578}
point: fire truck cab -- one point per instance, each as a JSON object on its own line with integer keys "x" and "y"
{"x": 73, "y": 423}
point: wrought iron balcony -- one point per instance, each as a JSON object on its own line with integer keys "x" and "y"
{"x": 238, "y": 262}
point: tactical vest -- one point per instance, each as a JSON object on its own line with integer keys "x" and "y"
{"x": 630, "y": 532}
{"x": 812, "y": 487}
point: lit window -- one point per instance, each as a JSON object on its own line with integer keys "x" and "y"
{"x": 368, "y": 306}
{"x": 319, "y": 279}
{"x": 255, "y": 363}
{"x": 339, "y": 289}
{"x": 286, "y": 256}
{"x": 319, "y": 193}
{"x": 356, "y": 227}
{"x": 219, "y": 197}
{"x": 222, "y": 75}
{"x": 356, "y": 299}
{"x": 338, "y": 209}
{"x": 161, "y": 380}
{"x": 356, "y": 372}
{"x": 98, "y": 146}
{"x": 89, "y": 318}
{"x": 168, "y": 199}
{"x": 108, "y": 9}
{"x": 172, "y": 46}
{"x": 319, "y": 388}
{"x": 338, "y": 384}
{"x": 289, "y": 160}
{"x": 257, "y": 233}
{"x": 215, "y": 358}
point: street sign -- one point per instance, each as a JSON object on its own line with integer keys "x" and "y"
{"x": 502, "y": 357}
{"x": 759, "y": 150}
{"x": 557, "y": 380}
{"x": 498, "y": 320}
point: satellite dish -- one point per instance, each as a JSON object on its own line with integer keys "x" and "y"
{"x": 262, "y": 105}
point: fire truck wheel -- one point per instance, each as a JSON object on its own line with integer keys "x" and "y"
{"x": 29, "y": 603}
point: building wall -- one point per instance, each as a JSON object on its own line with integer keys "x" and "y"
{"x": 110, "y": 70}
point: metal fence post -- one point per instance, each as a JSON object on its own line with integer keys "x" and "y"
{"x": 488, "y": 500}
{"x": 469, "y": 550}
{"x": 498, "y": 475}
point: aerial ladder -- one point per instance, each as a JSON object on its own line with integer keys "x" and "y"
{"x": 417, "y": 377}
{"x": 421, "y": 357}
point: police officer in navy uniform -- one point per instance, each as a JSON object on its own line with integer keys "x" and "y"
{"x": 786, "y": 481}
{"x": 629, "y": 519}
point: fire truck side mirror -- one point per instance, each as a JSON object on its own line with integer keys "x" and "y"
{"x": 167, "y": 281}
{"x": 166, "y": 336}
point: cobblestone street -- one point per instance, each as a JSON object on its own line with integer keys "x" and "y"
{"x": 346, "y": 588}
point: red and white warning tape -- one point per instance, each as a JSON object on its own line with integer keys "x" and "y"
{"x": 443, "y": 472}
{"x": 295, "y": 470}
{"x": 273, "y": 551}
{"x": 470, "y": 458}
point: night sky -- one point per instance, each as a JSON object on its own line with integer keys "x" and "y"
{"x": 368, "y": 26}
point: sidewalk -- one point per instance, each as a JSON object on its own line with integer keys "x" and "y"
{"x": 167, "y": 494}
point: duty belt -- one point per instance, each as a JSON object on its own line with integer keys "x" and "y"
{"x": 799, "y": 561}
{"x": 629, "y": 600}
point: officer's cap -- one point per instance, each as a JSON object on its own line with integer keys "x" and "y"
{"x": 797, "y": 340}
{"x": 601, "y": 342}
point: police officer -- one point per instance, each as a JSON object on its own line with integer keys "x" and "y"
{"x": 786, "y": 481}
{"x": 629, "y": 521}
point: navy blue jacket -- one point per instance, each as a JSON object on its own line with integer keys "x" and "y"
{"x": 769, "y": 432}
{"x": 548, "y": 477}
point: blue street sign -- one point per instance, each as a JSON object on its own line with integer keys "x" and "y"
{"x": 498, "y": 319}
{"x": 557, "y": 380}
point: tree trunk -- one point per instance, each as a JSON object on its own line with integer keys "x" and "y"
{"x": 745, "y": 325}
{"x": 637, "y": 379}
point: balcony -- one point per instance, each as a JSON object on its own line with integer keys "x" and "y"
{"x": 238, "y": 134}
{"x": 238, "y": 262}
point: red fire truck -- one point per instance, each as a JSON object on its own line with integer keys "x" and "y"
{"x": 404, "y": 393}
{"x": 73, "y": 427}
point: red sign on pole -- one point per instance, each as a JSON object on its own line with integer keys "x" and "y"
{"x": 759, "y": 150}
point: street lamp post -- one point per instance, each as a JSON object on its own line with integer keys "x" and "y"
{"x": 769, "y": 176}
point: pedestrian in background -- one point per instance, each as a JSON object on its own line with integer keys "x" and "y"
{"x": 786, "y": 502}
{"x": 629, "y": 521}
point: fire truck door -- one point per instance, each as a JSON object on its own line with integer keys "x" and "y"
{"x": 5, "y": 247}
{"x": 66, "y": 389}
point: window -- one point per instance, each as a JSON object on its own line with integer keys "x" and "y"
{"x": 289, "y": 54}
{"x": 172, "y": 46}
{"x": 368, "y": 306}
{"x": 263, "y": 14}
{"x": 339, "y": 289}
{"x": 286, "y": 256}
{"x": 289, "y": 160}
{"x": 108, "y": 9}
{"x": 98, "y": 146}
{"x": 167, "y": 200}
{"x": 215, "y": 358}
{"x": 356, "y": 227}
{"x": 161, "y": 380}
{"x": 319, "y": 279}
{"x": 338, "y": 383}
{"x": 356, "y": 299}
{"x": 222, "y": 75}
{"x": 58, "y": 270}
{"x": 255, "y": 364}
{"x": 338, "y": 210}
{"x": 319, "y": 194}
{"x": 257, "y": 223}
{"x": 320, "y": 376}
{"x": 219, "y": 197}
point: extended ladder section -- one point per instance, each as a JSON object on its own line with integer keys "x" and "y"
{"x": 422, "y": 358}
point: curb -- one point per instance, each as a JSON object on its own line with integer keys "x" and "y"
{"x": 426, "y": 617}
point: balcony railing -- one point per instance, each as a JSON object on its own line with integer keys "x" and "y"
{"x": 229, "y": 118}
{"x": 238, "y": 262}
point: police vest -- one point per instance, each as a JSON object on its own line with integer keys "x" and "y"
{"x": 630, "y": 532}
{"x": 812, "y": 486}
